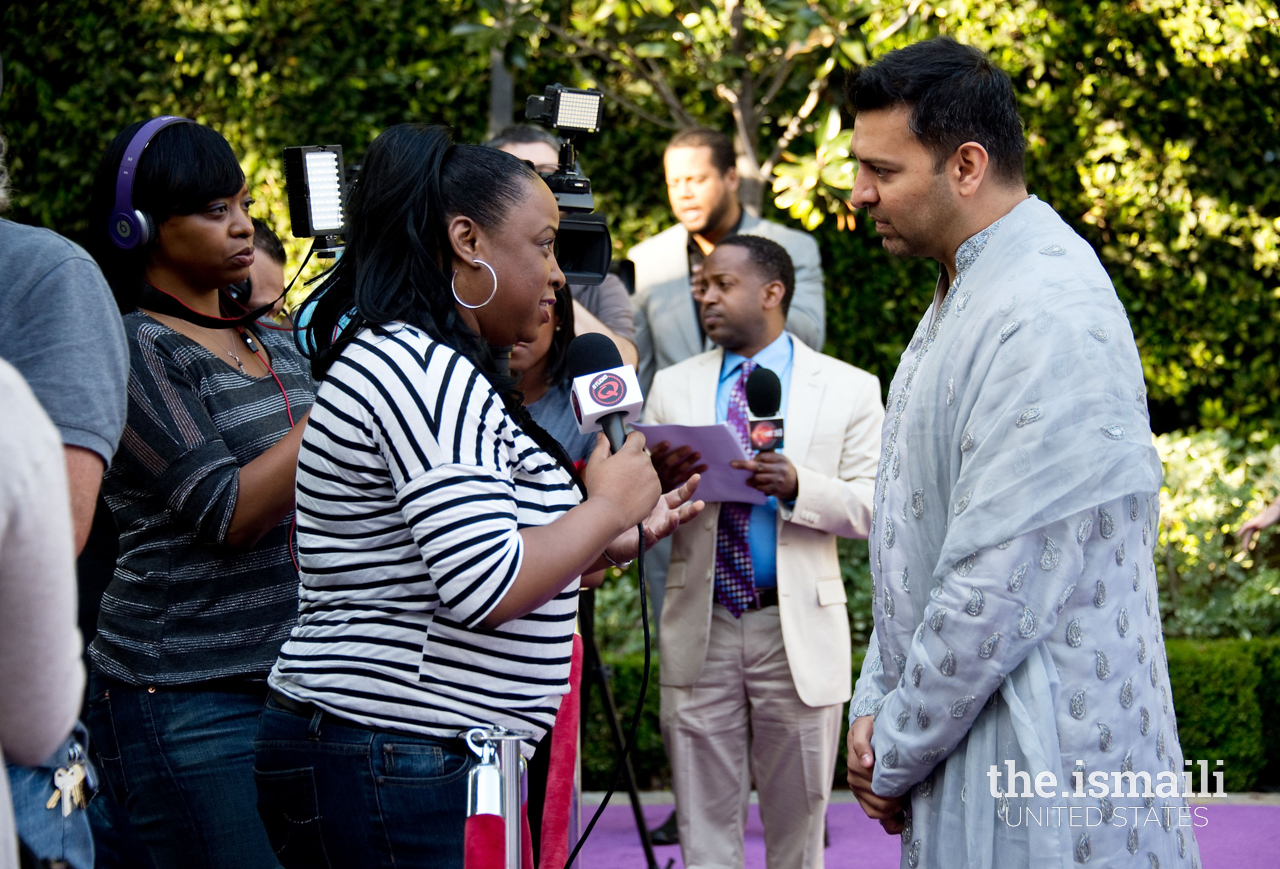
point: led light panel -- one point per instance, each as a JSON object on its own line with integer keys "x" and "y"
{"x": 326, "y": 191}
{"x": 578, "y": 111}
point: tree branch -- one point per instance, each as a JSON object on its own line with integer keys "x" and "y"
{"x": 819, "y": 85}
{"x": 740, "y": 121}
{"x": 779, "y": 79}
{"x": 649, "y": 72}
{"x": 793, "y": 128}
{"x": 627, "y": 104}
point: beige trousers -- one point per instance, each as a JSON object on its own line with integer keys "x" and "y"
{"x": 743, "y": 720}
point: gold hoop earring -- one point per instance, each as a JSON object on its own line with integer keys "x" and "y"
{"x": 454, "y": 288}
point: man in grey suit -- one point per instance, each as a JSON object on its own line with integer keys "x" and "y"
{"x": 702, "y": 184}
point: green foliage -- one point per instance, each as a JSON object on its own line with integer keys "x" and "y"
{"x": 806, "y": 183}
{"x": 1208, "y": 588}
{"x": 1216, "y": 691}
{"x": 265, "y": 74}
{"x": 1266, "y": 653}
{"x": 855, "y": 570}
{"x": 649, "y": 759}
{"x": 1151, "y": 128}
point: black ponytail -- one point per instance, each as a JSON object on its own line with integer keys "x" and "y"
{"x": 412, "y": 181}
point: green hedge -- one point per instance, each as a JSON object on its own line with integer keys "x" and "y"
{"x": 1224, "y": 692}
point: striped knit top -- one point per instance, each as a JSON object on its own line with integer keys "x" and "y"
{"x": 182, "y": 606}
{"x": 413, "y": 483}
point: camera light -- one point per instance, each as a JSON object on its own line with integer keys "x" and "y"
{"x": 578, "y": 110}
{"x": 326, "y": 190}
{"x": 313, "y": 180}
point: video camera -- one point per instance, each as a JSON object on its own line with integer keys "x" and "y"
{"x": 583, "y": 246}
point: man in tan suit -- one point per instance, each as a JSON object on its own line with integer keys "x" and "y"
{"x": 755, "y": 634}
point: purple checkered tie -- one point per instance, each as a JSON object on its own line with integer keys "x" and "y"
{"x": 735, "y": 577}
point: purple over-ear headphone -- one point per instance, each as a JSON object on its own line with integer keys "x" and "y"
{"x": 128, "y": 226}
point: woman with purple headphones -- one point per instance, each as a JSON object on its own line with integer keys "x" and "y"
{"x": 202, "y": 492}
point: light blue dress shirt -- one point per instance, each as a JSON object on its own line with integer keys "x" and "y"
{"x": 762, "y": 534}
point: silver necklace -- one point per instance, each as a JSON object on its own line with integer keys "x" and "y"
{"x": 230, "y": 352}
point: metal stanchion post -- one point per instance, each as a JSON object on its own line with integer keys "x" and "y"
{"x": 496, "y": 785}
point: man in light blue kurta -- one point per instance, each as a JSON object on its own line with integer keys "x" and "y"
{"x": 1013, "y": 708}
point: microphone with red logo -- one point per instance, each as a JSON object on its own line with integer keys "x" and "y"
{"x": 764, "y": 397}
{"x": 605, "y": 393}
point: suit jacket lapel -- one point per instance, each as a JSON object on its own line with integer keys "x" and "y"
{"x": 804, "y": 402}
{"x": 702, "y": 388}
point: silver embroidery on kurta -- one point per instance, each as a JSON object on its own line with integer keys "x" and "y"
{"x": 1028, "y": 416}
{"x": 974, "y": 606}
{"x": 1019, "y": 574}
{"x": 1106, "y": 524}
{"x": 1065, "y": 597}
{"x": 1027, "y": 624}
{"x": 1083, "y": 851}
{"x": 1074, "y": 634}
{"x": 1077, "y": 705}
{"x": 1102, "y": 666}
{"x": 948, "y": 665}
{"x": 1049, "y": 555}
{"x": 988, "y": 646}
{"x": 1126, "y": 693}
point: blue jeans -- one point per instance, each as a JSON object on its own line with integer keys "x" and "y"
{"x": 338, "y": 795}
{"x": 48, "y": 834}
{"x": 180, "y": 761}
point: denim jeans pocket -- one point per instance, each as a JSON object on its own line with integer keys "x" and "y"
{"x": 104, "y": 744}
{"x": 290, "y": 810}
{"x": 419, "y": 762}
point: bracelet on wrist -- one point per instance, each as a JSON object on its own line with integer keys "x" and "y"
{"x": 623, "y": 566}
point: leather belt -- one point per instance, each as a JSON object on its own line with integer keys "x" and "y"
{"x": 280, "y": 700}
{"x": 765, "y": 597}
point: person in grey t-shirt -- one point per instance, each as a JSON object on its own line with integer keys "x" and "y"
{"x": 60, "y": 327}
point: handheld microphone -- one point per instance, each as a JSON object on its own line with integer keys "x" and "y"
{"x": 605, "y": 393}
{"x": 764, "y": 397}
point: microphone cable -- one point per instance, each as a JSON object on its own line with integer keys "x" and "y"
{"x": 635, "y": 718}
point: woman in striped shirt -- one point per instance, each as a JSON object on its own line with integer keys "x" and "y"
{"x": 201, "y": 490}
{"x": 442, "y": 533}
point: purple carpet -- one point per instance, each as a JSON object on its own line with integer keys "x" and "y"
{"x": 1235, "y": 837}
